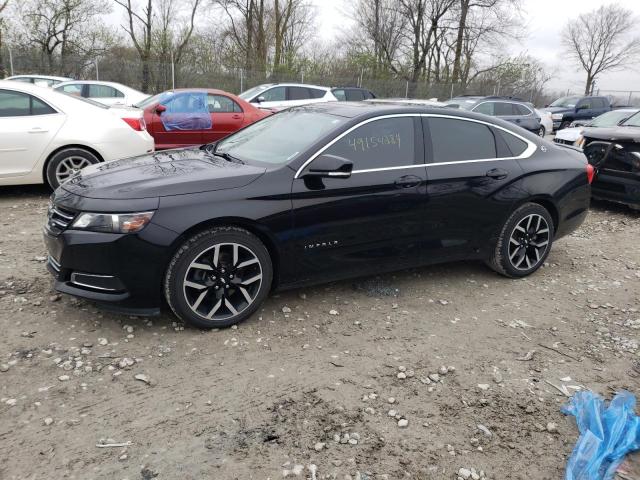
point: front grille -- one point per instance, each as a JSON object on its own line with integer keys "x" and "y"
{"x": 59, "y": 219}
{"x": 562, "y": 142}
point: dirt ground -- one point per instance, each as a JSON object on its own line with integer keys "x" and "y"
{"x": 269, "y": 399}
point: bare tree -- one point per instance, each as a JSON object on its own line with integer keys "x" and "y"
{"x": 600, "y": 41}
{"x": 3, "y": 7}
{"x": 139, "y": 28}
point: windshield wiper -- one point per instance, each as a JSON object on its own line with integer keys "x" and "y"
{"x": 228, "y": 157}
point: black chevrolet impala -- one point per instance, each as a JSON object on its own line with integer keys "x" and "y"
{"x": 311, "y": 194}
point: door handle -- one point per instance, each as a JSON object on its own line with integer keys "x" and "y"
{"x": 518, "y": 120}
{"x": 408, "y": 181}
{"x": 236, "y": 116}
{"x": 497, "y": 173}
{"x": 38, "y": 130}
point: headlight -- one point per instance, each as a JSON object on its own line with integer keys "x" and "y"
{"x": 556, "y": 116}
{"x": 579, "y": 142}
{"x": 112, "y": 222}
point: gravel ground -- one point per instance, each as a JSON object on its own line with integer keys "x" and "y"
{"x": 423, "y": 374}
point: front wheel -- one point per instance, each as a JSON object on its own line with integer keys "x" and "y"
{"x": 564, "y": 125}
{"x": 218, "y": 277}
{"x": 524, "y": 242}
{"x": 542, "y": 131}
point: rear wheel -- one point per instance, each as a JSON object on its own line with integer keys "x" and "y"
{"x": 218, "y": 277}
{"x": 66, "y": 163}
{"x": 542, "y": 131}
{"x": 524, "y": 242}
{"x": 564, "y": 125}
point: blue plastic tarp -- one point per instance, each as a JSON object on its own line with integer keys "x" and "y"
{"x": 607, "y": 434}
{"x": 186, "y": 111}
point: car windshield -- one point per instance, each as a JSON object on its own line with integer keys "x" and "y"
{"x": 566, "y": 102}
{"x": 609, "y": 119}
{"x": 279, "y": 138}
{"x": 632, "y": 121}
{"x": 159, "y": 98}
{"x": 252, "y": 92}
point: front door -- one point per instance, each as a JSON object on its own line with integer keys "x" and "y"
{"x": 27, "y": 126}
{"x": 470, "y": 166}
{"x": 182, "y": 122}
{"x": 371, "y": 221}
{"x": 226, "y": 118}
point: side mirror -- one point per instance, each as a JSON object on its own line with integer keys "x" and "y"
{"x": 160, "y": 109}
{"x": 329, "y": 166}
{"x": 546, "y": 106}
{"x": 260, "y": 99}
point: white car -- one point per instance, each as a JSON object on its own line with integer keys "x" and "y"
{"x": 108, "y": 93}
{"x": 46, "y": 136}
{"x": 40, "y": 80}
{"x": 569, "y": 136}
{"x": 546, "y": 122}
{"x": 277, "y": 96}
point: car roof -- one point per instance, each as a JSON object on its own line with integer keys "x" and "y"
{"x": 93, "y": 82}
{"x": 213, "y": 91}
{"x": 408, "y": 101}
{"x": 22, "y": 87}
{"x": 292, "y": 84}
{"x": 45, "y": 77}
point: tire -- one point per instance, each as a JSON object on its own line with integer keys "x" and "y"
{"x": 534, "y": 242}
{"x": 218, "y": 277}
{"x": 542, "y": 131}
{"x": 65, "y": 163}
{"x": 564, "y": 125}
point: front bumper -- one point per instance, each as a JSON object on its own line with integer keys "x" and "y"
{"x": 124, "y": 272}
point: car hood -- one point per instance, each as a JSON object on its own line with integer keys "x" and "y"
{"x": 624, "y": 134}
{"x": 165, "y": 173}
{"x": 557, "y": 109}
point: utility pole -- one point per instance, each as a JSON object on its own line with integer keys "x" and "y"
{"x": 97, "y": 71}
{"x": 173, "y": 73}
{"x": 10, "y": 61}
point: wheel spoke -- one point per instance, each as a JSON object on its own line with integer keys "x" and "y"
{"x": 197, "y": 286}
{"x": 522, "y": 257}
{"x": 201, "y": 266}
{"x": 216, "y": 255}
{"x": 513, "y": 241}
{"x": 544, "y": 230}
{"x": 520, "y": 229}
{"x": 246, "y": 295}
{"x": 215, "y": 308}
{"x": 541, "y": 244}
{"x": 246, "y": 263}
{"x": 251, "y": 280}
{"x": 199, "y": 299}
{"x": 235, "y": 254}
{"x": 230, "y": 306}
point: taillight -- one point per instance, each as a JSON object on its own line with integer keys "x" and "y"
{"x": 591, "y": 172}
{"x": 138, "y": 124}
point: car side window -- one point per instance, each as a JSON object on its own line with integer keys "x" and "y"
{"x": 598, "y": 103}
{"x": 503, "y": 109}
{"x": 521, "y": 109}
{"x": 354, "y": 95}
{"x": 486, "y": 107}
{"x": 104, "y": 91}
{"x": 73, "y": 89}
{"x": 316, "y": 93}
{"x": 18, "y": 104}
{"x": 456, "y": 140}
{"x": 275, "y": 94}
{"x": 340, "y": 95}
{"x": 387, "y": 142}
{"x": 516, "y": 145}
{"x": 299, "y": 93}
{"x": 222, "y": 104}
{"x": 586, "y": 103}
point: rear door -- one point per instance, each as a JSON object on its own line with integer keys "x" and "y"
{"x": 27, "y": 126}
{"x": 373, "y": 220}
{"x": 470, "y": 169}
{"x": 528, "y": 119}
{"x": 226, "y": 117}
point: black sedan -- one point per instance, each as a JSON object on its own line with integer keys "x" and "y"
{"x": 311, "y": 194}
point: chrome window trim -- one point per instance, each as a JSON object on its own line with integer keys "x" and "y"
{"x": 503, "y": 101}
{"x": 56, "y": 111}
{"x": 530, "y": 150}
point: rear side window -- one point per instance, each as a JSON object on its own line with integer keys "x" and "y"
{"x": 516, "y": 145}
{"x": 599, "y": 103}
{"x": 388, "y": 142}
{"x": 521, "y": 109}
{"x": 18, "y": 104}
{"x": 354, "y": 95}
{"x": 299, "y": 93}
{"x": 487, "y": 108}
{"x": 456, "y": 140}
{"x": 503, "y": 109}
{"x": 104, "y": 91}
{"x": 72, "y": 89}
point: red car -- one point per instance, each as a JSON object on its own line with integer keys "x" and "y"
{"x": 194, "y": 116}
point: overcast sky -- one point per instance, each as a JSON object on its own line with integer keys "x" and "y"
{"x": 545, "y": 19}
